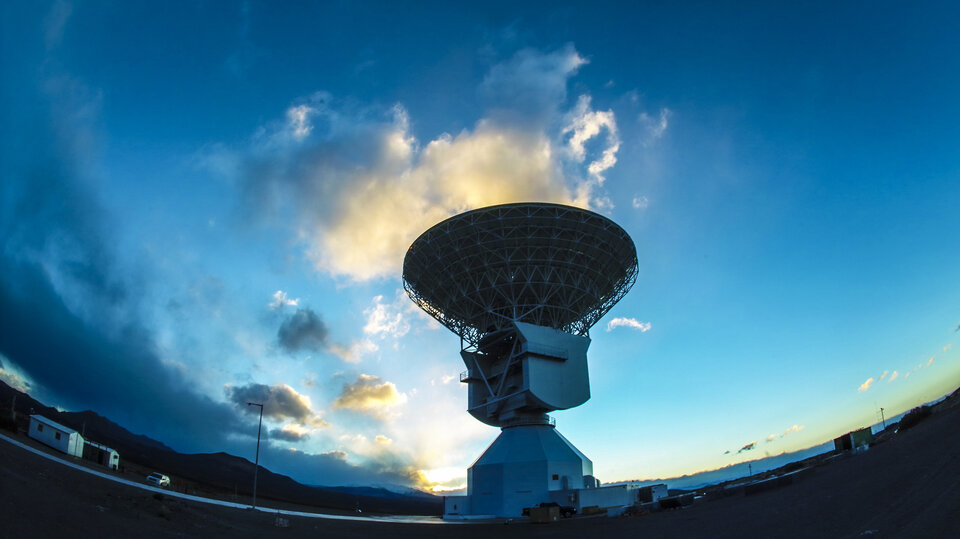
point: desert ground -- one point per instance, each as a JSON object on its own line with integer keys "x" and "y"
{"x": 908, "y": 486}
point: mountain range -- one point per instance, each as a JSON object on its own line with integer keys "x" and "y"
{"x": 216, "y": 473}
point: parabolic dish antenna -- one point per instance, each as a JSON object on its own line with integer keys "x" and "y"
{"x": 522, "y": 284}
{"x": 544, "y": 264}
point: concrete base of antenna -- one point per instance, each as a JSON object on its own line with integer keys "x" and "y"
{"x": 525, "y": 466}
{"x": 533, "y": 464}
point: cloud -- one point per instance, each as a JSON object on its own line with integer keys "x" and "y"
{"x": 303, "y": 330}
{"x": 905, "y": 376}
{"x": 280, "y": 300}
{"x": 771, "y": 437}
{"x": 794, "y": 428}
{"x": 893, "y": 376}
{"x": 370, "y": 395}
{"x": 360, "y": 188}
{"x": 641, "y": 202}
{"x": 387, "y": 319}
{"x": 280, "y": 402}
{"x": 55, "y": 22}
{"x": 947, "y": 347}
{"x": 866, "y": 385}
{"x": 355, "y": 352}
{"x": 748, "y": 447}
{"x": 290, "y": 432}
{"x": 655, "y": 127}
{"x": 643, "y": 327}
{"x": 531, "y": 85}
{"x": 586, "y": 124}
{"x": 72, "y": 321}
{"x": 930, "y": 361}
{"x": 884, "y": 375}
{"x": 13, "y": 377}
{"x": 298, "y": 119}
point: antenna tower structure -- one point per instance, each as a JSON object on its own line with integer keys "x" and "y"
{"x": 521, "y": 285}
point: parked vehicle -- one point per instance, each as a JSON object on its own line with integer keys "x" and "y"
{"x": 566, "y": 511}
{"x": 158, "y": 480}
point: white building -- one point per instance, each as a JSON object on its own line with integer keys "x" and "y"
{"x": 101, "y": 454}
{"x": 56, "y": 435}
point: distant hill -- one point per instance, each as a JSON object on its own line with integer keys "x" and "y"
{"x": 218, "y": 470}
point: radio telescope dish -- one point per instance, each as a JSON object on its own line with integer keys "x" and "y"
{"x": 522, "y": 284}
{"x": 544, "y": 264}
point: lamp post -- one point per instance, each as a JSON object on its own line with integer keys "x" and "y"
{"x": 256, "y": 462}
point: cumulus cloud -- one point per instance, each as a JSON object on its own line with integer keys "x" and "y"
{"x": 370, "y": 395}
{"x": 771, "y": 438}
{"x": 280, "y": 402}
{"x": 280, "y": 300}
{"x": 893, "y": 376}
{"x": 930, "y": 361}
{"x": 291, "y": 432}
{"x": 641, "y": 202}
{"x": 387, "y": 319}
{"x": 303, "y": 330}
{"x": 586, "y": 124}
{"x": 643, "y": 327}
{"x": 884, "y": 375}
{"x": 748, "y": 447}
{"x": 866, "y": 385}
{"x": 298, "y": 118}
{"x": 360, "y": 188}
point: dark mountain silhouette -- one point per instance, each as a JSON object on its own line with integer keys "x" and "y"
{"x": 227, "y": 473}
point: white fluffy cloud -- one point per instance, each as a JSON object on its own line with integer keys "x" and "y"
{"x": 370, "y": 395}
{"x": 866, "y": 385}
{"x": 389, "y": 319}
{"x": 281, "y": 300}
{"x": 586, "y": 124}
{"x": 643, "y": 327}
{"x": 360, "y": 188}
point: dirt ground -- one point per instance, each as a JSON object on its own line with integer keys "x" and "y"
{"x": 906, "y": 487}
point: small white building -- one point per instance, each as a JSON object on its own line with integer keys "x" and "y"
{"x": 56, "y": 435}
{"x": 101, "y": 454}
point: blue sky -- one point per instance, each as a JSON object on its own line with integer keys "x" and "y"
{"x": 208, "y": 203}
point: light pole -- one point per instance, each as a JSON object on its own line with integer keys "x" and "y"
{"x": 256, "y": 462}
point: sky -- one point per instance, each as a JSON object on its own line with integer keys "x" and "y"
{"x": 208, "y": 203}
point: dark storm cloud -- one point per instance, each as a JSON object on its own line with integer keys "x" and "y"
{"x": 69, "y": 318}
{"x": 748, "y": 447}
{"x": 334, "y": 469}
{"x": 303, "y": 330}
{"x": 288, "y": 435}
{"x": 279, "y": 402}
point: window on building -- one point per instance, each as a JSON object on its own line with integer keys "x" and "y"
{"x": 556, "y": 476}
{"x": 56, "y": 435}
{"x": 39, "y": 427}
